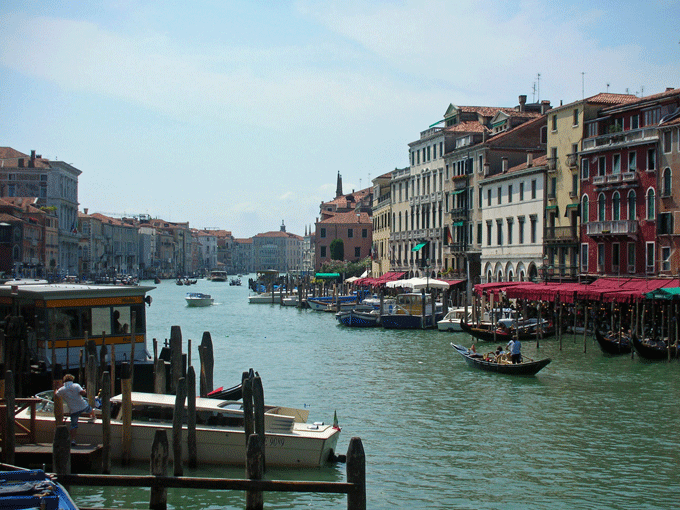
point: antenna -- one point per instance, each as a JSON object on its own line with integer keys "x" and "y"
{"x": 607, "y": 87}
{"x": 538, "y": 79}
{"x": 642, "y": 91}
{"x": 583, "y": 87}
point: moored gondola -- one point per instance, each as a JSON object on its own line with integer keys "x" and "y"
{"x": 616, "y": 344}
{"x": 487, "y": 334}
{"x": 650, "y": 349}
{"x": 526, "y": 367}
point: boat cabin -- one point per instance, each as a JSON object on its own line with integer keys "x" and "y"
{"x": 59, "y": 317}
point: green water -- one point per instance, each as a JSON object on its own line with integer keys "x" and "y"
{"x": 588, "y": 432}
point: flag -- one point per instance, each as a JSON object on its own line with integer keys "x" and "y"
{"x": 449, "y": 239}
{"x": 335, "y": 420}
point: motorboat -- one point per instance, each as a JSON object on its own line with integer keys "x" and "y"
{"x": 358, "y": 318}
{"x": 265, "y": 298}
{"x": 452, "y": 320}
{"x": 198, "y": 299}
{"x": 218, "y": 275}
{"x": 220, "y": 436}
{"x": 413, "y": 310}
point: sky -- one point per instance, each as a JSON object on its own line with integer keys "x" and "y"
{"x": 239, "y": 115}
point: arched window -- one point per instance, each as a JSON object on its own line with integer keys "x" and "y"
{"x": 666, "y": 189}
{"x": 584, "y": 209}
{"x": 601, "y": 204}
{"x": 616, "y": 206}
{"x": 632, "y": 208}
{"x": 650, "y": 204}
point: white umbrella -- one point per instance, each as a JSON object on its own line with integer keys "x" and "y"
{"x": 427, "y": 283}
{"x": 351, "y": 279}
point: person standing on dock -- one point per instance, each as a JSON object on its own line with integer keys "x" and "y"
{"x": 73, "y": 394}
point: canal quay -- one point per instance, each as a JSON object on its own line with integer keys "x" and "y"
{"x": 589, "y": 431}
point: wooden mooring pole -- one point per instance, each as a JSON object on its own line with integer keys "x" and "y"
{"x": 158, "y": 499}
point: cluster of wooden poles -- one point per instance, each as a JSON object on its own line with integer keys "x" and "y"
{"x": 185, "y": 391}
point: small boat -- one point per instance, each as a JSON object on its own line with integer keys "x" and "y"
{"x": 452, "y": 320}
{"x": 235, "y": 282}
{"x": 157, "y": 280}
{"x": 408, "y": 312}
{"x": 613, "y": 344}
{"x": 222, "y": 393}
{"x": 265, "y": 298}
{"x": 179, "y": 282}
{"x": 24, "y": 489}
{"x": 324, "y": 303}
{"x": 218, "y": 275}
{"x": 528, "y": 332}
{"x": 291, "y": 300}
{"x": 504, "y": 366}
{"x": 290, "y": 440}
{"x": 358, "y": 318}
{"x": 198, "y": 299}
{"x": 653, "y": 349}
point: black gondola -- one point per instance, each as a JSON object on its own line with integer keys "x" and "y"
{"x": 614, "y": 345}
{"x": 233, "y": 393}
{"x": 651, "y": 351}
{"x": 526, "y": 367}
{"x": 487, "y": 334}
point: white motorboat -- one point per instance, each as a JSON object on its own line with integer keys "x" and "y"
{"x": 265, "y": 298}
{"x": 220, "y": 435}
{"x": 198, "y": 299}
{"x": 451, "y": 321}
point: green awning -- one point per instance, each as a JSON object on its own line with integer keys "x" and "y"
{"x": 459, "y": 191}
{"x": 570, "y": 206}
{"x": 458, "y": 224}
{"x": 551, "y": 208}
{"x": 418, "y": 246}
{"x": 327, "y": 275}
{"x": 664, "y": 293}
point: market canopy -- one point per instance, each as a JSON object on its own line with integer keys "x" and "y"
{"x": 664, "y": 293}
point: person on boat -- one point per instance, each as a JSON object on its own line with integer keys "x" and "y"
{"x": 73, "y": 394}
{"x": 516, "y": 351}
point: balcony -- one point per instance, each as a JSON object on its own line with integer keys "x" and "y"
{"x": 623, "y": 138}
{"x": 629, "y": 177}
{"x": 599, "y": 179}
{"x": 567, "y": 234}
{"x": 611, "y": 228}
{"x": 614, "y": 178}
{"x": 552, "y": 165}
{"x": 572, "y": 160}
{"x": 459, "y": 214}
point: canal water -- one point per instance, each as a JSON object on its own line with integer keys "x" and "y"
{"x": 588, "y": 432}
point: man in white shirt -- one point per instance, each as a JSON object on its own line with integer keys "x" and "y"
{"x": 73, "y": 394}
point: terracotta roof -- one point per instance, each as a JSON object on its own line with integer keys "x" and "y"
{"x": 467, "y": 126}
{"x": 248, "y": 240}
{"x": 537, "y": 162}
{"x": 646, "y": 99}
{"x": 278, "y": 233}
{"x": 348, "y": 218}
{"x": 487, "y": 111}
{"x": 8, "y": 217}
{"x": 510, "y": 132}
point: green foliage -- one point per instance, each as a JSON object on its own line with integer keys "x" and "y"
{"x": 347, "y": 269}
{"x": 337, "y": 249}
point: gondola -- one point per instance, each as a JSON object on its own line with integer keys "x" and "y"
{"x": 233, "y": 393}
{"x": 526, "y": 367}
{"x": 613, "y": 345}
{"x": 487, "y": 334}
{"x": 652, "y": 351}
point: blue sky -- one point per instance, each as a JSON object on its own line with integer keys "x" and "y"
{"x": 239, "y": 114}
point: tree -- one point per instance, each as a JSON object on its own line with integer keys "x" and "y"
{"x": 337, "y": 249}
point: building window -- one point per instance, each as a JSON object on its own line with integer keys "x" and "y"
{"x": 601, "y": 166}
{"x": 534, "y": 222}
{"x": 364, "y": 233}
{"x": 634, "y": 121}
{"x": 323, "y": 252}
{"x": 510, "y": 193}
{"x": 600, "y": 258}
{"x": 520, "y": 228}
{"x": 323, "y": 233}
{"x": 585, "y": 169}
{"x": 667, "y": 141}
{"x": 651, "y": 159}
{"x": 632, "y": 198}
{"x": 11, "y": 190}
{"x": 592, "y": 129}
{"x": 650, "y": 204}
{"x": 488, "y": 197}
{"x": 500, "y": 192}
{"x": 616, "y": 206}
{"x": 510, "y": 221}
{"x": 521, "y": 191}
{"x": 574, "y": 185}
{"x": 533, "y": 188}
{"x": 575, "y": 117}
{"x": 652, "y": 116}
{"x": 584, "y": 258}
{"x": 665, "y": 223}
{"x": 649, "y": 257}
{"x": 601, "y": 205}
{"x": 666, "y": 183}
{"x": 488, "y": 233}
{"x": 665, "y": 258}
{"x": 350, "y": 232}
{"x": 616, "y": 257}
{"x": 616, "y": 164}
{"x": 434, "y": 151}
{"x": 553, "y": 120}
{"x": 499, "y": 232}
{"x": 632, "y": 161}
{"x": 584, "y": 209}
{"x": 631, "y": 257}
{"x": 357, "y": 252}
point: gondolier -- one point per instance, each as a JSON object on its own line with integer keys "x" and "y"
{"x": 516, "y": 351}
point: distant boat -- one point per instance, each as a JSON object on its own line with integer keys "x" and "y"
{"x": 615, "y": 344}
{"x": 452, "y": 320}
{"x": 218, "y": 275}
{"x": 198, "y": 299}
{"x": 489, "y": 363}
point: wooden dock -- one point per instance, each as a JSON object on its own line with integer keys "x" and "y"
{"x": 85, "y": 458}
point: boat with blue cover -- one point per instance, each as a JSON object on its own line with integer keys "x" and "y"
{"x": 24, "y": 489}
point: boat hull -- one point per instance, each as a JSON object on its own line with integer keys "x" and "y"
{"x": 650, "y": 352}
{"x": 612, "y": 345}
{"x": 487, "y": 335}
{"x": 405, "y": 321}
{"x": 357, "y": 319}
{"x": 524, "y": 368}
{"x": 265, "y": 299}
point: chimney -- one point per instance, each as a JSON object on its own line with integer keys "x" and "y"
{"x": 522, "y": 102}
{"x": 545, "y": 106}
{"x": 85, "y": 210}
{"x": 504, "y": 165}
{"x": 530, "y": 159}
